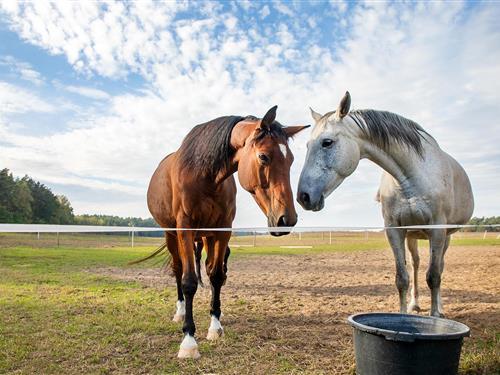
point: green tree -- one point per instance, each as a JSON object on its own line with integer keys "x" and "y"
{"x": 64, "y": 212}
{"x": 22, "y": 201}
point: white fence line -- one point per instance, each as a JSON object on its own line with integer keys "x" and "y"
{"x": 49, "y": 228}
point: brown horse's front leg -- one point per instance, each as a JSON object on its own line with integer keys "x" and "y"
{"x": 216, "y": 269}
{"x": 198, "y": 248}
{"x": 189, "y": 284}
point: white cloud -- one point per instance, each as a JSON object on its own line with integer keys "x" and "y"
{"x": 107, "y": 38}
{"x": 14, "y": 99}
{"x": 390, "y": 59}
{"x": 22, "y": 69}
{"x": 265, "y": 11}
{"x": 340, "y": 5}
{"x": 283, "y": 8}
{"x": 88, "y": 92}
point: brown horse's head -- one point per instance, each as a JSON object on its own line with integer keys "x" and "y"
{"x": 264, "y": 161}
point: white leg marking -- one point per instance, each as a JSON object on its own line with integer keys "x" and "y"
{"x": 189, "y": 348}
{"x": 283, "y": 149}
{"x": 180, "y": 312}
{"x": 215, "y": 330}
{"x": 414, "y": 306}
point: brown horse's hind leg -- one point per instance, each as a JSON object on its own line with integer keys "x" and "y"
{"x": 189, "y": 284}
{"x": 218, "y": 252}
{"x": 177, "y": 270}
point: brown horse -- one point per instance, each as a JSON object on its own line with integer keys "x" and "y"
{"x": 194, "y": 188}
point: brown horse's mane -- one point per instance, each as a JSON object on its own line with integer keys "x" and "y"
{"x": 207, "y": 150}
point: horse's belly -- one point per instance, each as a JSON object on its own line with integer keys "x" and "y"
{"x": 403, "y": 211}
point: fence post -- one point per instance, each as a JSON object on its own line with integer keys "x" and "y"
{"x": 484, "y": 235}
{"x": 330, "y": 237}
{"x": 57, "y": 239}
{"x": 254, "y": 238}
{"x": 133, "y": 232}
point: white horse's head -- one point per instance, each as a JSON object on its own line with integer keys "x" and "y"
{"x": 332, "y": 155}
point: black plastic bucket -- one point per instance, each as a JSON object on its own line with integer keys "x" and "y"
{"x": 401, "y": 344}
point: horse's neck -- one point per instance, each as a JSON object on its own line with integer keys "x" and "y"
{"x": 404, "y": 165}
{"x": 241, "y": 131}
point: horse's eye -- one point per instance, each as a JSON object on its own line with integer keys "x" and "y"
{"x": 264, "y": 159}
{"x": 327, "y": 142}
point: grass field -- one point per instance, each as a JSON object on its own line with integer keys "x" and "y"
{"x": 82, "y": 310}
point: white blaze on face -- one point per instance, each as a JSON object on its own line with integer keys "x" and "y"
{"x": 283, "y": 149}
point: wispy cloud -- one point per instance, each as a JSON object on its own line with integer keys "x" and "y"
{"x": 88, "y": 92}
{"x": 283, "y": 8}
{"x": 22, "y": 70}
{"x": 14, "y": 99}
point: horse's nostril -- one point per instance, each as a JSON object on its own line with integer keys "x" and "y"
{"x": 281, "y": 222}
{"x": 304, "y": 197}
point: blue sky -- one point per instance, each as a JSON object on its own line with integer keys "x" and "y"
{"x": 94, "y": 95}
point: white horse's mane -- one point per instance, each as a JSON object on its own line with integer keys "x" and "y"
{"x": 385, "y": 128}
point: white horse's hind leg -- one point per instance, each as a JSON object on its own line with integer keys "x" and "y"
{"x": 180, "y": 312}
{"x": 189, "y": 348}
{"x": 215, "y": 330}
{"x": 396, "y": 239}
{"x": 438, "y": 241}
{"x": 413, "y": 248}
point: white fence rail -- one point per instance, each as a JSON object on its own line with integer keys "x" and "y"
{"x": 50, "y": 228}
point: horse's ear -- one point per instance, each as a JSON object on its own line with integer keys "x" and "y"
{"x": 268, "y": 118}
{"x": 344, "y": 105}
{"x": 292, "y": 130}
{"x": 315, "y": 115}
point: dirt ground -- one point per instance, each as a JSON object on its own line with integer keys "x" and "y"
{"x": 297, "y": 305}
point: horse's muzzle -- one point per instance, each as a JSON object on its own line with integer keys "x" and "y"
{"x": 309, "y": 203}
{"x": 281, "y": 222}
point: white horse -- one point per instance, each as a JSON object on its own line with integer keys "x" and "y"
{"x": 421, "y": 185}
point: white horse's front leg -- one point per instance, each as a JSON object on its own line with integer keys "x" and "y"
{"x": 413, "y": 248}
{"x": 396, "y": 239}
{"x": 438, "y": 242}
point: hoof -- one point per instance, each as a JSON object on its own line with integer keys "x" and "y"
{"x": 178, "y": 318}
{"x": 215, "y": 334}
{"x": 189, "y": 348}
{"x": 438, "y": 314}
{"x": 215, "y": 330}
{"x": 192, "y": 353}
{"x": 414, "y": 308}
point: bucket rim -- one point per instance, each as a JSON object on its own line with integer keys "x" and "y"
{"x": 462, "y": 329}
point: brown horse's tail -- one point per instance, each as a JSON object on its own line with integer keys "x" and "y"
{"x": 155, "y": 253}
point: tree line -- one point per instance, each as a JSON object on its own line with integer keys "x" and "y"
{"x": 486, "y": 221}
{"x": 26, "y": 201}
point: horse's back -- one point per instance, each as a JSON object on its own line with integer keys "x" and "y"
{"x": 174, "y": 189}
